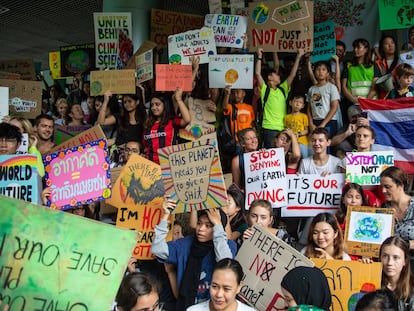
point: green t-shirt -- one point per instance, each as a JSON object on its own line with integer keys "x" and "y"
{"x": 275, "y": 108}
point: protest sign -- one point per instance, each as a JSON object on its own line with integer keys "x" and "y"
{"x": 192, "y": 175}
{"x": 265, "y": 176}
{"x": 284, "y": 26}
{"x": 228, "y": 29}
{"x": 113, "y": 39}
{"x": 366, "y": 228}
{"x": 265, "y": 260}
{"x": 169, "y": 77}
{"x": 24, "y": 67}
{"x": 105, "y": 207}
{"x": 144, "y": 66}
{"x": 395, "y": 14}
{"x": 364, "y": 168}
{"x": 199, "y": 42}
{"x": 407, "y": 58}
{"x": 349, "y": 280}
{"x": 234, "y": 70}
{"x": 118, "y": 81}
{"x": 199, "y": 110}
{"x": 138, "y": 194}
{"x": 77, "y": 59}
{"x": 63, "y": 133}
{"x": 78, "y": 175}
{"x": 165, "y": 23}
{"x": 309, "y": 194}
{"x": 24, "y": 144}
{"x": 324, "y": 41}
{"x": 146, "y": 46}
{"x": 54, "y": 261}
{"x": 54, "y": 65}
{"x": 9, "y": 75}
{"x": 194, "y": 130}
{"x": 19, "y": 178}
{"x": 25, "y": 97}
{"x": 4, "y": 102}
{"x": 93, "y": 133}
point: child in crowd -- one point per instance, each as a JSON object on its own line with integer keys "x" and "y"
{"x": 62, "y": 111}
{"x": 405, "y": 76}
{"x": 298, "y": 122}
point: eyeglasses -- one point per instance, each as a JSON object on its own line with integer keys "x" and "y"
{"x": 131, "y": 150}
{"x": 8, "y": 140}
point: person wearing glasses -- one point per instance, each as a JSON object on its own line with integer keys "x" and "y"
{"x": 130, "y": 148}
{"x": 10, "y": 138}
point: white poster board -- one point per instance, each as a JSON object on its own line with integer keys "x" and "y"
{"x": 228, "y": 29}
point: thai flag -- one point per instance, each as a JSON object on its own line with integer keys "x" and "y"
{"x": 393, "y": 122}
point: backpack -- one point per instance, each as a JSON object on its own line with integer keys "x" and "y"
{"x": 226, "y": 141}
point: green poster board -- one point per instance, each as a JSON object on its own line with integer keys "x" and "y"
{"x": 395, "y": 14}
{"x": 52, "y": 260}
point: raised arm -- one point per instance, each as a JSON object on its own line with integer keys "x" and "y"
{"x": 227, "y": 92}
{"x": 102, "y": 118}
{"x": 185, "y": 114}
{"x": 295, "y": 67}
{"x": 258, "y": 68}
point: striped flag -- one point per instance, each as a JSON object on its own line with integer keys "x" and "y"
{"x": 393, "y": 122}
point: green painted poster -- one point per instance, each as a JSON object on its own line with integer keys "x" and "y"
{"x": 395, "y": 14}
{"x": 52, "y": 260}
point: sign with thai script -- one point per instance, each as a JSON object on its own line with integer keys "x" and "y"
{"x": 77, "y": 59}
{"x": 169, "y": 77}
{"x": 265, "y": 260}
{"x": 324, "y": 41}
{"x": 199, "y": 42}
{"x": 65, "y": 132}
{"x": 144, "y": 66}
{"x": 364, "y": 168}
{"x": 78, "y": 175}
{"x": 118, "y": 81}
{"x": 22, "y": 66}
{"x": 192, "y": 174}
{"x": 283, "y": 26}
{"x": 52, "y": 260}
{"x": 395, "y": 14}
{"x": 228, "y": 29}
{"x": 265, "y": 176}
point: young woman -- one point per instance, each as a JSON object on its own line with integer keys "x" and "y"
{"x": 236, "y": 222}
{"x": 288, "y": 141}
{"x": 225, "y": 285}
{"x": 62, "y": 111}
{"x": 325, "y": 239}
{"x": 75, "y": 115}
{"x": 352, "y": 195}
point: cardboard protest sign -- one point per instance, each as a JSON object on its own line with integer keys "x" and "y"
{"x": 4, "y": 102}
{"x": 9, "y": 75}
{"x": 50, "y": 258}
{"x": 25, "y": 97}
{"x": 234, "y": 70}
{"x": 75, "y": 59}
{"x": 78, "y": 175}
{"x": 324, "y": 41}
{"x": 63, "y": 133}
{"x": 194, "y": 130}
{"x": 23, "y": 66}
{"x": 113, "y": 39}
{"x": 165, "y": 23}
{"x": 118, "y": 81}
{"x": 138, "y": 194}
{"x": 366, "y": 228}
{"x": 192, "y": 175}
{"x": 199, "y": 42}
{"x": 105, "y": 207}
{"x": 24, "y": 144}
{"x": 144, "y": 66}
{"x": 199, "y": 110}
{"x": 283, "y": 26}
{"x": 309, "y": 195}
{"x": 19, "y": 178}
{"x": 349, "y": 280}
{"x": 395, "y": 14}
{"x": 364, "y": 168}
{"x": 54, "y": 65}
{"x": 265, "y": 176}
{"x": 169, "y": 77}
{"x": 228, "y": 29}
{"x": 265, "y": 260}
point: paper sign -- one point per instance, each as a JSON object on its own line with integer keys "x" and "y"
{"x": 65, "y": 132}
{"x": 54, "y": 260}
{"x": 395, "y": 14}
{"x": 79, "y": 175}
{"x": 144, "y": 66}
{"x": 265, "y": 260}
{"x": 54, "y": 65}
{"x": 364, "y": 168}
{"x": 192, "y": 175}
{"x": 195, "y": 130}
{"x": 169, "y": 77}
{"x": 309, "y": 194}
{"x": 24, "y": 144}
{"x": 349, "y": 280}
{"x": 324, "y": 41}
{"x": 77, "y": 59}
{"x": 234, "y": 70}
{"x": 118, "y": 81}
{"x": 228, "y": 29}
{"x": 24, "y": 67}
{"x": 199, "y": 111}
{"x": 4, "y": 102}
{"x": 265, "y": 176}
{"x": 283, "y": 26}
{"x": 146, "y": 46}
{"x": 199, "y": 42}
{"x": 366, "y": 228}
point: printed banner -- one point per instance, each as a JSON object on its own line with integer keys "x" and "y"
{"x": 78, "y": 175}
{"x": 395, "y": 14}
{"x": 118, "y": 81}
{"x": 169, "y": 77}
{"x": 228, "y": 29}
{"x": 24, "y": 67}
{"x": 234, "y": 70}
{"x": 77, "y": 59}
{"x": 54, "y": 65}
{"x": 4, "y": 102}
{"x": 199, "y": 42}
{"x": 53, "y": 260}
{"x": 324, "y": 41}
{"x": 192, "y": 175}
{"x": 63, "y": 133}
{"x": 265, "y": 260}
{"x": 144, "y": 66}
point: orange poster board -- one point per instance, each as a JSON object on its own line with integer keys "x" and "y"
{"x": 169, "y": 77}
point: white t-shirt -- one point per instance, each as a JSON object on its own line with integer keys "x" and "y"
{"x": 320, "y": 99}
{"x": 308, "y": 166}
{"x": 204, "y": 306}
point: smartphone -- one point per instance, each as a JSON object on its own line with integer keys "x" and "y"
{"x": 364, "y": 114}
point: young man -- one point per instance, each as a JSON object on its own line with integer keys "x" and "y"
{"x": 10, "y": 138}
{"x": 43, "y": 127}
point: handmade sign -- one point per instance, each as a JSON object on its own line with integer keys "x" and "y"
{"x": 324, "y": 41}
{"x": 234, "y": 70}
{"x": 364, "y": 168}
{"x": 9, "y": 75}
{"x": 25, "y": 97}
{"x": 199, "y": 42}
{"x": 194, "y": 130}
{"x": 49, "y": 258}
{"x": 144, "y": 66}
{"x": 169, "y": 77}
{"x": 23, "y": 66}
{"x": 199, "y": 110}
{"x": 265, "y": 260}
{"x": 4, "y": 102}
{"x": 113, "y": 39}
{"x": 395, "y": 14}
{"x": 54, "y": 65}
{"x": 78, "y": 175}
{"x": 265, "y": 176}
{"x": 228, "y": 29}
{"x": 77, "y": 59}
{"x": 165, "y": 23}
{"x": 65, "y": 132}
{"x": 283, "y": 26}
{"x": 138, "y": 194}
{"x": 366, "y": 228}
{"x": 309, "y": 195}
{"x": 118, "y": 81}
{"x": 145, "y": 46}
{"x": 24, "y": 144}
{"x": 407, "y": 58}
{"x": 192, "y": 174}
{"x": 19, "y": 178}
{"x": 105, "y": 207}
{"x": 349, "y": 280}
